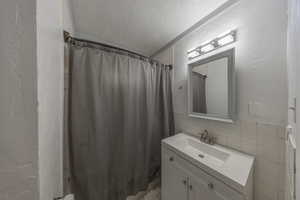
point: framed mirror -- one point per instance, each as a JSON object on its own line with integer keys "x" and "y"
{"x": 211, "y": 87}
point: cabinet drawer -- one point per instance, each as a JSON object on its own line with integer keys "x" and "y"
{"x": 217, "y": 188}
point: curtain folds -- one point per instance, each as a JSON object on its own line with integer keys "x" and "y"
{"x": 199, "y": 93}
{"x": 120, "y": 108}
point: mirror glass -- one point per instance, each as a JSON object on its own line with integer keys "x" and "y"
{"x": 211, "y": 91}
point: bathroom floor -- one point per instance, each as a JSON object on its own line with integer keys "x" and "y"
{"x": 152, "y": 193}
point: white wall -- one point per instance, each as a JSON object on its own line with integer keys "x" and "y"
{"x": 52, "y": 18}
{"x": 50, "y": 67}
{"x": 293, "y": 60}
{"x": 292, "y": 56}
{"x": 31, "y": 93}
{"x": 18, "y": 101}
{"x": 261, "y": 78}
{"x": 68, "y": 22}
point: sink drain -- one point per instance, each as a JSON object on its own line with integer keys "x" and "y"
{"x": 201, "y": 156}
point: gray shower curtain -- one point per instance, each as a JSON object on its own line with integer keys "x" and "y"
{"x": 199, "y": 92}
{"x": 120, "y": 109}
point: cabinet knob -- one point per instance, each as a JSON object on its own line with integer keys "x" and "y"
{"x": 171, "y": 159}
{"x": 211, "y": 186}
{"x": 184, "y": 182}
{"x": 191, "y": 187}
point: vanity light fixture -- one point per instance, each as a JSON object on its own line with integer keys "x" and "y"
{"x": 223, "y": 40}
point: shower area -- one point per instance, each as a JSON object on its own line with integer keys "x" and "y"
{"x": 118, "y": 108}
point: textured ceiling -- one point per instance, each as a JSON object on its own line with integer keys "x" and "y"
{"x": 143, "y": 26}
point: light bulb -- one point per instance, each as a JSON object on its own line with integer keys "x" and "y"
{"x": 193, "y": 54}
{"x": 207, "y": 48}
{"x": 225, "y": 40}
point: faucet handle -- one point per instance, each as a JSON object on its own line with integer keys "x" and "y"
{"x": 203, "y": 136}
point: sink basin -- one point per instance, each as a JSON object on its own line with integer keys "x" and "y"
{"x": 206, "y": 152}
{"x": 227, "y": 164}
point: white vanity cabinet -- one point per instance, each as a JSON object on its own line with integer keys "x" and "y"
{"x": 183, "y": 180}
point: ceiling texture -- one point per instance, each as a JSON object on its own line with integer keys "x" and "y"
{"x": 143, "y": 26}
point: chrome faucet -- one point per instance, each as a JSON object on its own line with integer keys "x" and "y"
{"x": 204, "y": 135}
{"x": 206, "y": 138}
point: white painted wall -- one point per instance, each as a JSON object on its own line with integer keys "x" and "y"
{"x": 31, "y": 93}
{"x": 68, "y": 22}
{"x": 50, "y": 67}
{"x": 18, "y": 101}
{"x": 261, "y": 78}
{"x": 292, "y": 57}
{"x": 293, "y": 60}
{"x": 52, "y": 18}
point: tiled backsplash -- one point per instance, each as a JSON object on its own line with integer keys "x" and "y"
{"x": 265, "y": 141}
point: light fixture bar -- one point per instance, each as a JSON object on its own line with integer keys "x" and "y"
{"x": 225, "y": 39}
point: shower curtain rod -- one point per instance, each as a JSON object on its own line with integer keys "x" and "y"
{"x": 69, "y": 38}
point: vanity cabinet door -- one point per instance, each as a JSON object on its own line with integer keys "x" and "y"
{"x": 208, "y": 188}
{"x": 221, "y": 192}
{"x": 174, "y": 179}
{"x": 203, "y": 186}
{"x": 198, "y": 190}
{"x": 201, "y": 189}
